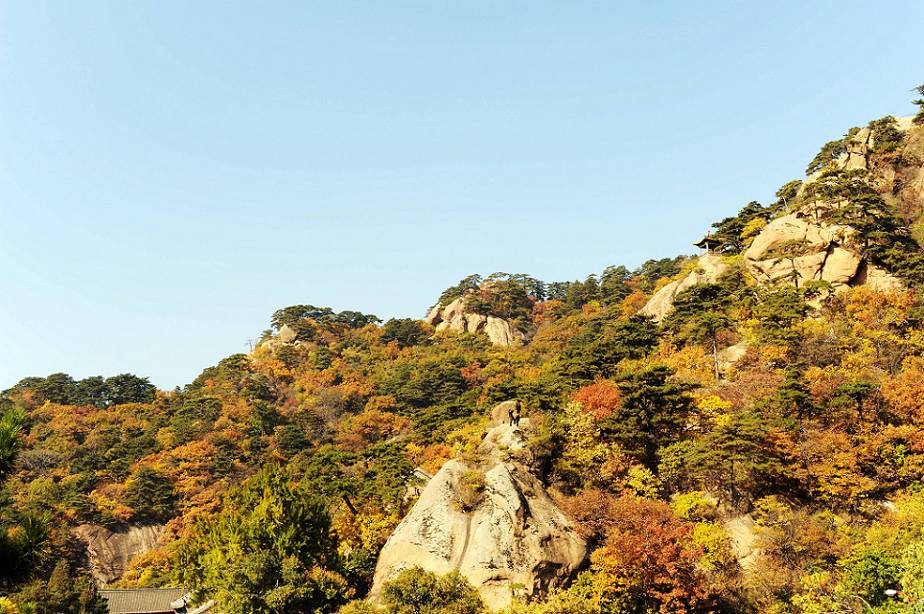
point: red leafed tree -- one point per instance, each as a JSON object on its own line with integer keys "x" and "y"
{"x": 599, "y": 399}
{"x": 646, "y": 554}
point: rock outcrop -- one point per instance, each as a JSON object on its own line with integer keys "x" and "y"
{"x": 745, "y": 540}
{"x": 901, "y": 177}
{"x": 455, "y": 317}
{"x": 709, "y": 268}
{"x": 287, "y": 334}
{"x": 110, "y": 551}
{"x": 798, "y": 248}
{"x": 818, "y": 252}
{"x": 491, "y": 521}
{"x": 861, "y": 145}
{"x": 729, "y": 356}
{"x": 824, "y": 252}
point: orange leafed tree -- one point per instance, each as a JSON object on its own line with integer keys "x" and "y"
{"x": 647, "y": 555}
{"x": 905, "y": 391}
{"x": 599, "y": 399}
{"x": 370, "y": 426}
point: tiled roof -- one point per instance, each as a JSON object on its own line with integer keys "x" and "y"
{"x": 142, "y": 600}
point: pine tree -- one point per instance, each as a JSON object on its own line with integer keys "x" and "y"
{"x": 699, "y": 315}
{"x": 270, "y": 549}
{"x": 654, "y": 412}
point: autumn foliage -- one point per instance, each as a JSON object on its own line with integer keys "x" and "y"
{"x": 760, "y": 449}
{"x": 600, "y": 399}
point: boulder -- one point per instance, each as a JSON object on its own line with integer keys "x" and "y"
{"x": 709, "y": 268}
{"x": 511, "y": 537}
{"x": 111, "y": 550}
{"x": 877, "y": 278}
{"x": 764, "y": 260}
{"x": 729, "y": 356}
{"x": 840, "y": 266}
{"x": 287, "y": 334}
{"x": 501, "y": 412}
{"x": 745, "y": 540}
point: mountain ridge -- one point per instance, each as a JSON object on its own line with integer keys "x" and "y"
{"x": 737, "y": 431}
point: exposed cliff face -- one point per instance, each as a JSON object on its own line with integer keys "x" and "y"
{"x": 455, "y": 317}
{"x": 709, "y": 268}
{"x": 492, "y": 522}
{"x": 861, "y": 146}
{"x": 900, "y": 176}
{"x": 110, "y": 551}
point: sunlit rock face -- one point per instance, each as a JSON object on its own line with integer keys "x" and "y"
{"x": 709, "y": 268}
{"x": 455, "y": 317}
{"x": 824, "y": 255}
{"x": 491, "y": 521}
{"x": 111, "y": 550}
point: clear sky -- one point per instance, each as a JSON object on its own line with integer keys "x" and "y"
{"x": 171, "y": 172}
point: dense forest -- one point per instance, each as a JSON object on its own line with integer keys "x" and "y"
{"x": 280, "y": 474}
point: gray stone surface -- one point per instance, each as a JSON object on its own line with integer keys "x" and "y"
{"x": 709, "y": 268}
{"x": 454, "y": 317}
{"x": 513, "y": 538}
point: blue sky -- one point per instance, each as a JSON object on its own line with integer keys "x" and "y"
{"x": 171, "y": 172}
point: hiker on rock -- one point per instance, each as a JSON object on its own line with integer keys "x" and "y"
{"x": 515, "y": 415}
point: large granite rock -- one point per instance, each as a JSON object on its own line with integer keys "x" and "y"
{"x": 858, "y": 150}
{"x": 491, "y": 521}
{"x": 454, "y": 317}
{"x": 111, "y": 550}
{"x": 745, "y": 540}
{"x": 825, "y": 252}
{"x": 287, "y": 334}
{"x": 816, "y": 251}
{"x": 709, "y": 268}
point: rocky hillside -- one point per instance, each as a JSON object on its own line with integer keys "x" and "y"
{"x": 738, "y": 431}
{"x": 818, "y": 236}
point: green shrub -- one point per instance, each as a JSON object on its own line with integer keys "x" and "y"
{"x": 694, "y": 505}
{"x": 471, "y": 490}
{"x": 869, "y": 573}
{"x": 886, "y": 136}
{"x": 416, "y": 591}
{"x": 358, "y": 607}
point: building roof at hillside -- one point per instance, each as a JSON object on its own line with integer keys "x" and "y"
{"x": 143, "y": 600}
